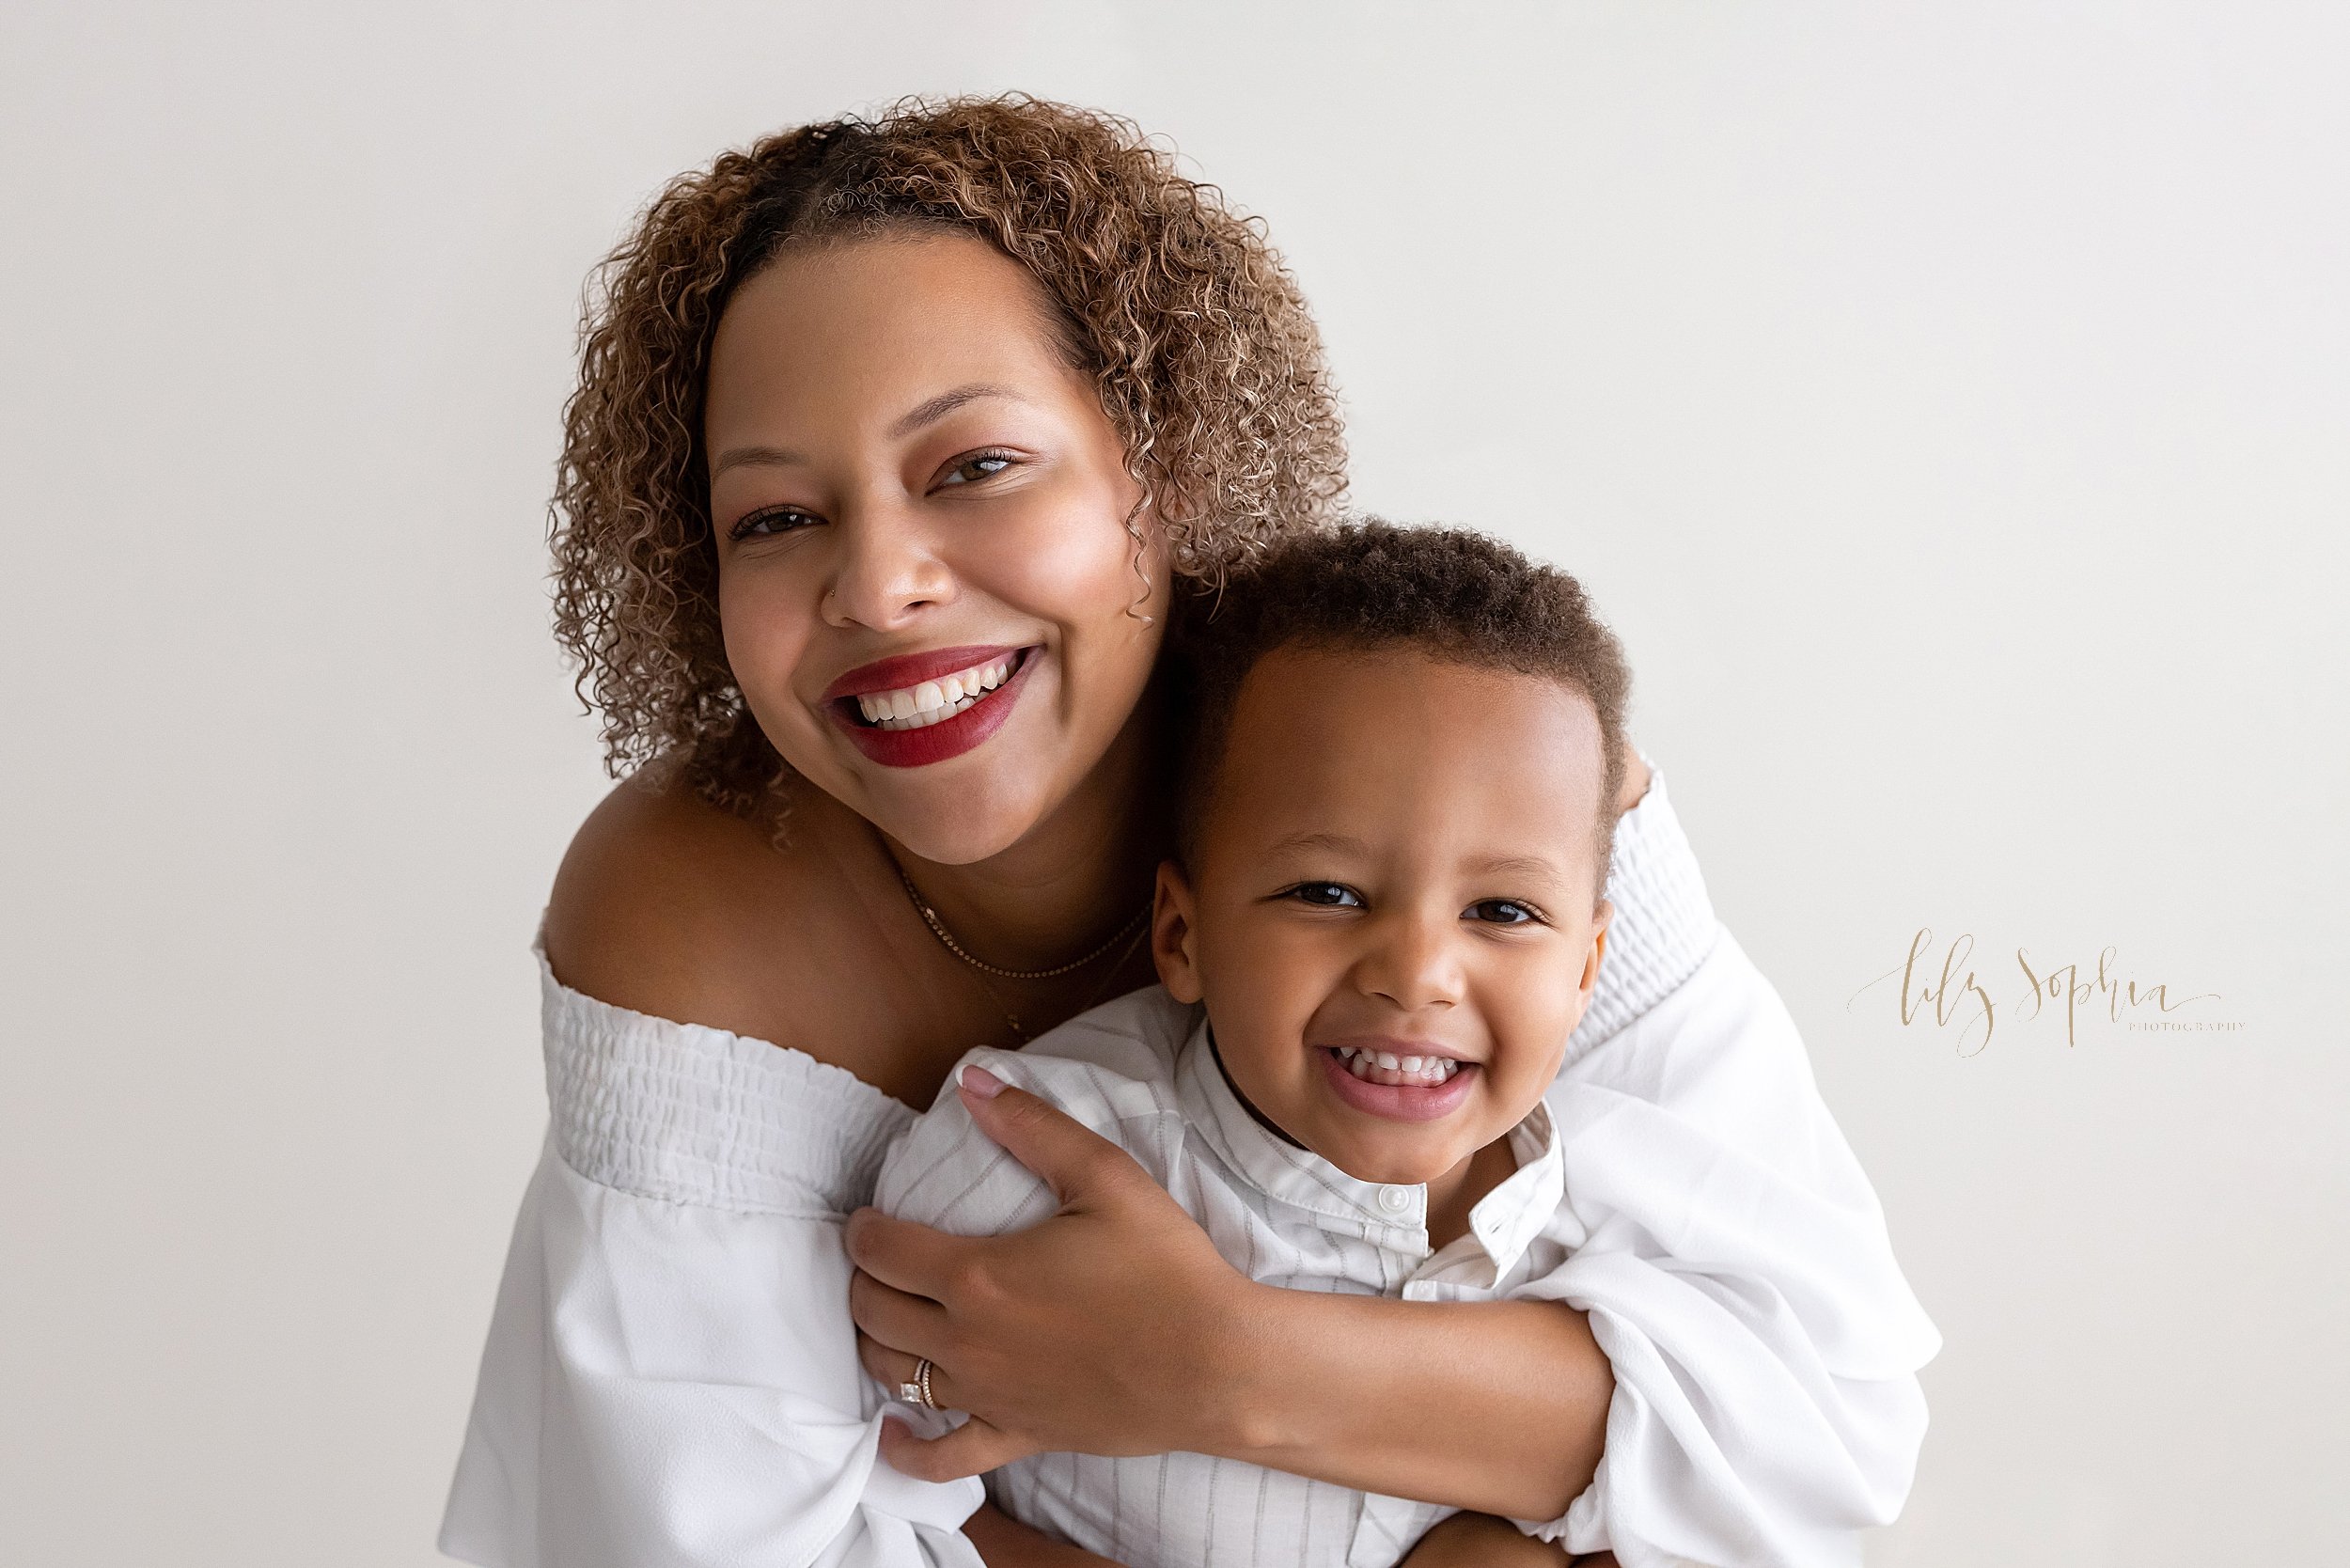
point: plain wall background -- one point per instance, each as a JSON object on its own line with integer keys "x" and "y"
{"x": 1948, "y": 402}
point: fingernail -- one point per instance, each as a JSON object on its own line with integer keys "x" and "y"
{"x": 981, "y": 1082}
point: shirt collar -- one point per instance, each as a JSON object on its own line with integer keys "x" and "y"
{"x": 1504, "y": 1222}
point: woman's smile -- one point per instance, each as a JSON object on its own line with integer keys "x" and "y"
{"x": 917, "y": 708}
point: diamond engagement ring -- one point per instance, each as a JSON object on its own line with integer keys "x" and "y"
{"x": 919, "y": 1392}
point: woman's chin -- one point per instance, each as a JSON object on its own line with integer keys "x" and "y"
{"x": 954, "y": 844}
{"x": 950, "y": 813}
{"x": 959, "y": 824}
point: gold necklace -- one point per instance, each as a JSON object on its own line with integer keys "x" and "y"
{"x": 1129, "y": 933}
{"x": 1123, "y": 934}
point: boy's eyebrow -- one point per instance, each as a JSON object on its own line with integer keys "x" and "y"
{"x": 1335, "y": 843}
{"x": 1486, "y": 865}
{"x": 1513, "y": 865}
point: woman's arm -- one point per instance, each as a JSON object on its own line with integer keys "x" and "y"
{"x": 1477, "y": 1378}
{"x": 1006, "y": 1542}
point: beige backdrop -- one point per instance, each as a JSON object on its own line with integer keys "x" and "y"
{"x": 1948, "y": 402}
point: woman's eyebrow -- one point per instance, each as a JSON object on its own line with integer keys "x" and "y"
{"x": 931, "y": 411}
{"x": 772, "y": 457}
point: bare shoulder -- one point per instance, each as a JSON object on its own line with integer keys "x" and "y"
{"x": 669, "y": 906}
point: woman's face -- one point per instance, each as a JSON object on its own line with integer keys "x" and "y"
{"x": 925, "y": 573}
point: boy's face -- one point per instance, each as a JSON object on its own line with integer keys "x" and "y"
{"x": 1397, "y": 856}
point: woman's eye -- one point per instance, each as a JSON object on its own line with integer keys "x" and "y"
{"x": 1327, "y": 895}
{"x": 973, "y": 469}
{"x": 1502, "y": 912}
{"x": 774, "y": 520}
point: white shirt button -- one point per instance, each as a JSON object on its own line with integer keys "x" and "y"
{"x": 1395, "y": 1199}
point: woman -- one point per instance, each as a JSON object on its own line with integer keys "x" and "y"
{"x": 891, "y": 443}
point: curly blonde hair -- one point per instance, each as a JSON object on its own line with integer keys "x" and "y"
{"x": 1192, "y": 332}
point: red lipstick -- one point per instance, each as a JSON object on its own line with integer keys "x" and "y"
{"x": 901, "y": 670}
{"x": 933, "y": 742}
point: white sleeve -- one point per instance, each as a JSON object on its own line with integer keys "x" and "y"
{"x": 667, "y": 1386}
{"x": 1735, "y": 1265}
{"x": 1664, "y": 925}
{"x": 1730, "y": 1251}
{"x": 671, "y": 1378}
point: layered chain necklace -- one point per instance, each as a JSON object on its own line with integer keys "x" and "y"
{"x": 1122, "y": 941}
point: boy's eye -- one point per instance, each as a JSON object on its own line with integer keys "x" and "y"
{"x": 1327, "y": 895}
{"x": 1501, "y": 912}
{"x": 978, "y": 466}
{"x": 774, "y": 520}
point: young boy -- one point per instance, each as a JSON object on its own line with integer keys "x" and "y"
{"x": 1383, "y": 927}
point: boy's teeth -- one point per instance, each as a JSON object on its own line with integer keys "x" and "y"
{"x": 1384, "y": 1067}
{"x": 918, "y": 706}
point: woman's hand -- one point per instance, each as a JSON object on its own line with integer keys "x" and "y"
{"x": 1098, "y": 1331}
{"x": 1115, "y": 1327}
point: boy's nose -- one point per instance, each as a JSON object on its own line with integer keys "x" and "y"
{"x": 1410, "y": 962}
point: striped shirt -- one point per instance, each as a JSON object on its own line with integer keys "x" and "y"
{"x": 1140, "y": 1071}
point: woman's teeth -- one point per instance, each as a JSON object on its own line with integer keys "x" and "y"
{"x": 917, "y": 707}
{"x": 1384, "y": 1067}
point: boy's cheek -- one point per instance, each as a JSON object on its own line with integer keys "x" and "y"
{"x": 1267, "y": 966}
{"x": 1531, "y": 1022}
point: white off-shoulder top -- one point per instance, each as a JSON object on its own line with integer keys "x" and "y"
{"x": 671, "y": 1376}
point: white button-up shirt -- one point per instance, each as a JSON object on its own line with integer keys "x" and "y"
{"x": 1140, "y": 1072}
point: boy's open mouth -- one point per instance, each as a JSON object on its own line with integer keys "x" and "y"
{"x": 1398, "y": 1086}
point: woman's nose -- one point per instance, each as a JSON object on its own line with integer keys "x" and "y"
{"x": 886, "y": 571}
{"x": 1411, "y": 961}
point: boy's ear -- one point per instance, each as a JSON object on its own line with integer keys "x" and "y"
{"x": 1174, "y": 945}
{"x": 1600, "y": 922}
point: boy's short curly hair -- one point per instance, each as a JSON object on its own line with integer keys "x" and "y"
{"x": 1458, "y": 596}
{"x": 1194, "y": 333}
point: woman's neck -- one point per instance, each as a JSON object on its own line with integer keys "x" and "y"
{"x": 1075, "y": 878}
